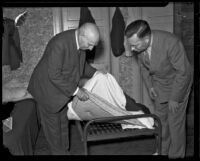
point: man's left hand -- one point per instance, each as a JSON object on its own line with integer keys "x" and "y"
{"x": 173, "y": 106}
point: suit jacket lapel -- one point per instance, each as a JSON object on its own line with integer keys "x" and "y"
{"x": 145, "y": 59}
{"x": 154, "y": 58}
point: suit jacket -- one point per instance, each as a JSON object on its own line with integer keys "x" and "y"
{"x": 56, "y": 76}
{"x": 11, "y": 50}
{"x": 170, "y": 72}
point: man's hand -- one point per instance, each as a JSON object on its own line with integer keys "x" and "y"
{"x": 82, "y": 82}
{"x": 82, "y": 95}
{"x": 152, "y": 93}
{"x": 173, "y": 106}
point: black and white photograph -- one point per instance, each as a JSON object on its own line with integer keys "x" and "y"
{"x": 91, "y": 80}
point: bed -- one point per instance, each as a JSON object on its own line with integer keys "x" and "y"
{"x": 20, "y": 105}
{"x": 104, "y": 115}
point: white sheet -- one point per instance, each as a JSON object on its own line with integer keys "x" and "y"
{"x": 105, "y": 86}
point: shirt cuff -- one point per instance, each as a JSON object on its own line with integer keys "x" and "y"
{"x": 76, "y": 91}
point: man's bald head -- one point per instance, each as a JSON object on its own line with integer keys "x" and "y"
{"x": 90, "y": 35}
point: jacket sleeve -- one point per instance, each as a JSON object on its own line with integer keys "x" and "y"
{"x": 180, "y": 63}
{"x": 88, "y": 70}
{"x": 146, "y": 76}
{"x": 55, "y": 62}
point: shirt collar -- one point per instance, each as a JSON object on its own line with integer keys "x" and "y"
{"x": 76, "y": 36}
{"x": 150, "y": 45}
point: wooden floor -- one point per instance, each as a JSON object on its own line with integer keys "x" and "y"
{"x": 128, "y": 147}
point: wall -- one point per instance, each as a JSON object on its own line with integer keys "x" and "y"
{"x": 184, "y": 29}
{"x": 34, "y": 35}
{"x": 128, "y": 70}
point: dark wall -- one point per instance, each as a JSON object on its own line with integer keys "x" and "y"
{"x": 184, "y": 28}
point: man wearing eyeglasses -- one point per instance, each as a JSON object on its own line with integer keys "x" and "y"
{"x": 167, "y": 74}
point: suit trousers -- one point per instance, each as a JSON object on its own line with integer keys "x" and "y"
{"x": 55, "y": 127}
{"x": 173, "y": 128}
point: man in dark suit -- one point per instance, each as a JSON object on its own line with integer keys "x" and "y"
{"x": 55, "y": 80}
{"x": 167, "y": 74}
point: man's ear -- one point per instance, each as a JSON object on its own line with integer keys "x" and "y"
{"x": 146, "y": 39}
{"x": 127, "y": 47}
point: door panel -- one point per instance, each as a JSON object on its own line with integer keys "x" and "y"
{"x": 159, "y": 17}
{"x": 71, "y": 16}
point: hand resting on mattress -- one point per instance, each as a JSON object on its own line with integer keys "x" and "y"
{"x": 106, "y": 99}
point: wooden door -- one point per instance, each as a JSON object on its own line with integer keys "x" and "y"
{"x": 70, "y": 19}
{"x": 160, "y": 18}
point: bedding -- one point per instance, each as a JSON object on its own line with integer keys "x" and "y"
{"x": 14, "y": 91}
{"x": 106, "y": 99}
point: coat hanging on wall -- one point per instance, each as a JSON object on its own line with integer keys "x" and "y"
{"x": 86, "y": 16}
{"x": 11, "y": 50}
{"x": 117, "y": 33}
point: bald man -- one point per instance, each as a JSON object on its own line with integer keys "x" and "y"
{"x": 55, "y": 80}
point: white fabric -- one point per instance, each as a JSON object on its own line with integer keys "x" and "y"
{"x": 145, "y": 120}
{"x": 71, "y": 114}
{"x": 105, "y": 86}
{"x": 14, "y": 90}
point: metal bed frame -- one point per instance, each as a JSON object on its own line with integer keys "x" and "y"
{"x": 108, "y": 128}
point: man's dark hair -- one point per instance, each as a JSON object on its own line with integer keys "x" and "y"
{"x": 139, "y": 27}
